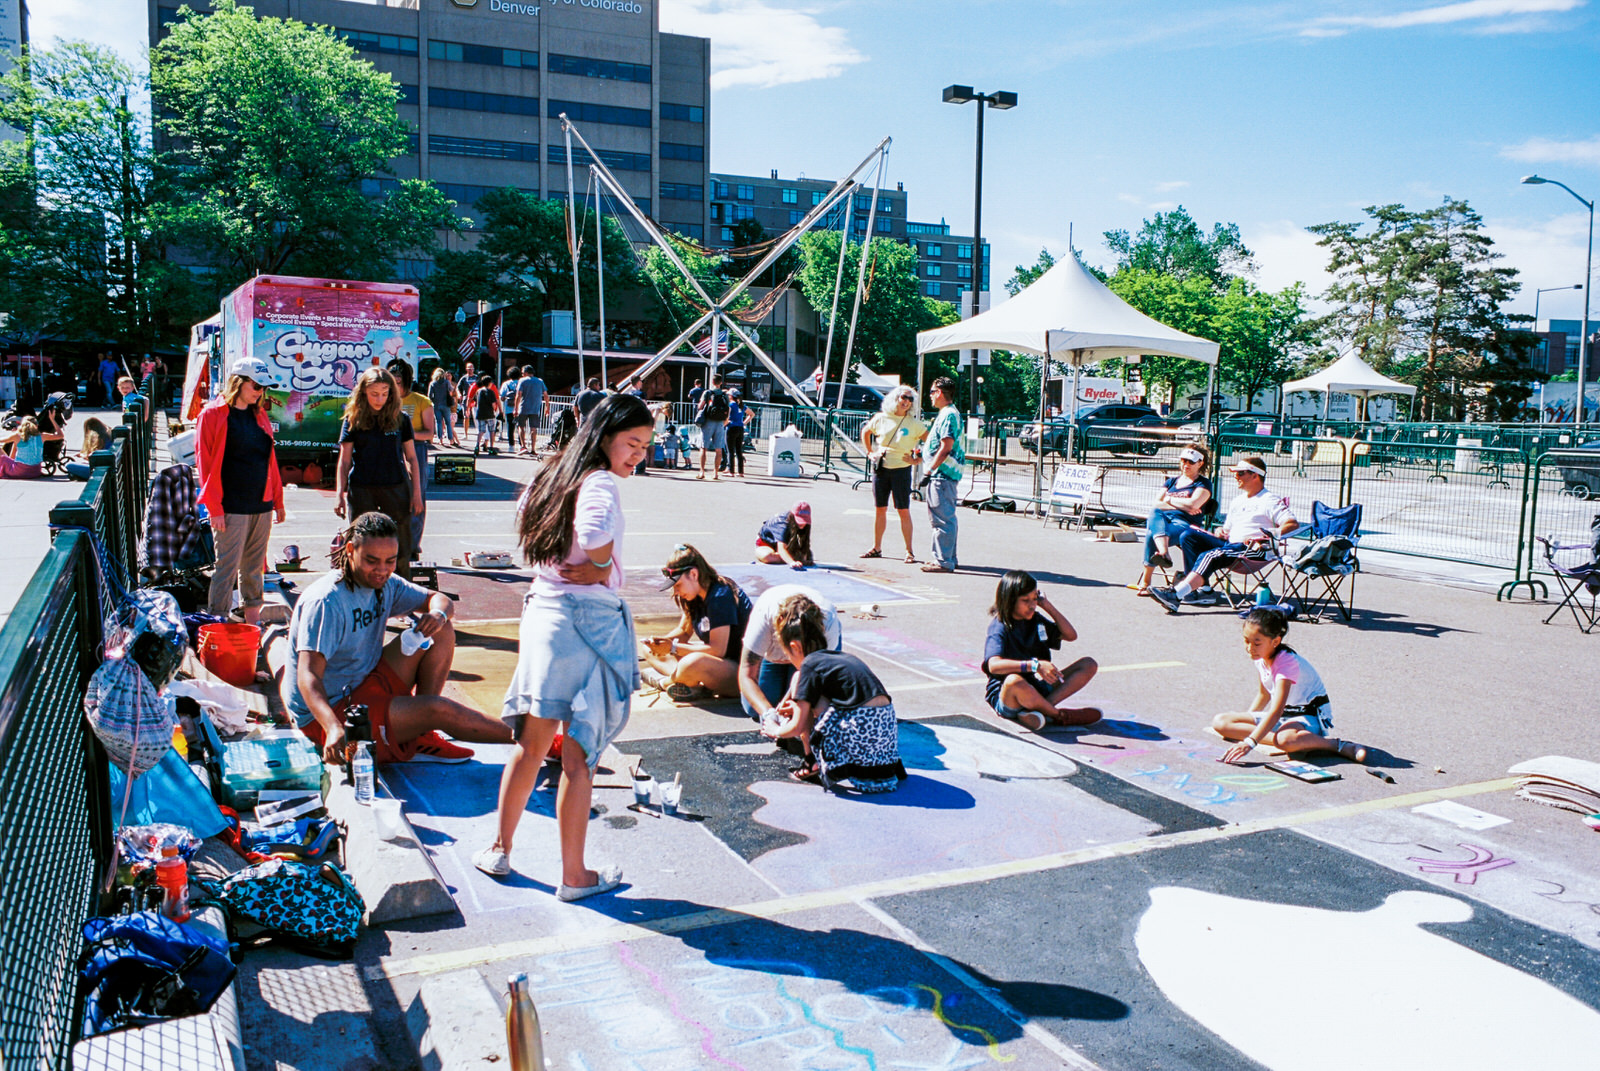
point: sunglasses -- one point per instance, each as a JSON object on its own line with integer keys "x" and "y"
{"x": 676, "y": 574}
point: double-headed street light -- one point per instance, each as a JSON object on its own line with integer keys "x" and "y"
{"x": 1588, "y": 277}
{"x": 1000, "y": 101}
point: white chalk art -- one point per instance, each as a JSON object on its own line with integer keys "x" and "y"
{"x": 1306, "y": 989}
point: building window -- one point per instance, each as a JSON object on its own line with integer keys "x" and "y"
{"x": 672, "y": 150}
{"x": 408, "y": 95}
{"x": 816, "y": 198}
{"x": 963, "y": 252}
{"x": 931, "y": 289}
{"x": 682, "y": 191}
{"x": 885, "y": 223}
{"x": 930, "y": 249}
{"x": 378, "y": 187}
{"x": 488, "y": 55}
{"x": 413, "y": 269}
{"x": 791, "y": 197}
{"x": 684, "y": 113}
{"x": 737, "y": 212}
{"x": 727, "y": 234}
{"x": 597, "y": 68}
{"x": 720, "y": 189}
{"x": 598, "y": 113}
{"x": 387, "y": 43}
{"x": 449, "y": 145}
{"x": 716, "y": 211}
{"x": 692, "y": 231}
{"x": 963, "y": 271}
{"x": 465, "y": 195}
{"x": 470, "y": 100}
{"x": 611, "y": 206}
{"x": 927, "y": 228}
{"x": 933, "y": 271}
{"x": 612, "y": 158}
{"x": 795, "y": 216}
{"x": 744, "y": 192}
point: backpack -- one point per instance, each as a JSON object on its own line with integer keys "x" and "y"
{"x": 142, "y": 968}
{"x": 716, "y": 406}
{"x": 1330, "y": 554}
{"x": 309, "y": 907}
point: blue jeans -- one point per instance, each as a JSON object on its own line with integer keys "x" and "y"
{"x": 419, "y": 520}
{"x": 773, "y": 678}
{"x": 943, "y": 496}
{"x": 444, "y": 423}
{"x": 1163, "y": 522}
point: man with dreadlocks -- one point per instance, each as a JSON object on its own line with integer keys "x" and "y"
{"x": 337, "y": 658}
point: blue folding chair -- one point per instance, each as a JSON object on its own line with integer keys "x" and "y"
{"x": 1329, "y": 560}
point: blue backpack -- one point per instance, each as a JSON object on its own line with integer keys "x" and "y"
{"x": 142, "y": 968}
{"x": 313, "y": 908}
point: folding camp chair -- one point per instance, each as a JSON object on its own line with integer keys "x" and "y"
{"x": 1243, "y": 577}
{"x": 1329, "y": 559}
{"x": 1580, "y": 584}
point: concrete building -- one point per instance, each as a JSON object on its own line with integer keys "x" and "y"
{"x": 483, "y": 82}
{"x": 13, "y": 39}
{"x": 1558, "y": 347}
{"x": 944, "y": 261}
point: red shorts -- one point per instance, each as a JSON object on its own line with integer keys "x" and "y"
{"x": 380, "y": 686}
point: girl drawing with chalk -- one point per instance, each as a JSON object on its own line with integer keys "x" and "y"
{"x": 1292, "y": 710}
{"x": 1024, "y": 685}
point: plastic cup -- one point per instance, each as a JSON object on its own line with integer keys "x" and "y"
{"x": 641, "y": 790}
{"x": 671, "y": 793}
{"x": 391, "y": 823}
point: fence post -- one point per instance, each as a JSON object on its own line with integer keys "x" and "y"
{"x": 124, "y": 497}
{"x": 1525, "y": 521}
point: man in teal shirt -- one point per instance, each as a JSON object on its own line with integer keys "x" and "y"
{"x": 942, "y": 476}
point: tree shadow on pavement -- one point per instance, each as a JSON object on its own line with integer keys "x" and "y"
{"x": 1062, "y": 579}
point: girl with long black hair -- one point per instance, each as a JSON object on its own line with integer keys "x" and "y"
{"x": 577, "y": 667}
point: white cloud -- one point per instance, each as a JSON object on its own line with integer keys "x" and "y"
{"x": 1547, "y": 253}
{"x": 760, "y": 43}
{"x": 1516, "y": 13}
{"x": 1286, "y": 253}
{"x": 123, "y": 27}
{"x": 1166, "y": 187}
{"x": 1548, "y": 151}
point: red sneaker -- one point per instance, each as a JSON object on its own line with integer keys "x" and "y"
{"x": 431, "y": 747}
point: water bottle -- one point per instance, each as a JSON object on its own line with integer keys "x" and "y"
{"x": 172, "y": 875}
{"x": 361, "y": 767}
{"x": 1264, "y": 596}
{"x": 524, "y": 1039}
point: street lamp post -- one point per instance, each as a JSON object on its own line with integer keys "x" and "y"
{"x": 1000, "y": 101}
{"x": 1536, "y": 294}
{"x": 1588, "y": 277}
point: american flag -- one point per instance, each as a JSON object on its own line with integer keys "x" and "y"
{"x": 469, "y": 345}
{"x": 703, "y": 347}
{"x": 496, "y": 336}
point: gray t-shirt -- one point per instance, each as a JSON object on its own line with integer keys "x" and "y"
{"x": 346, "y": 627}
{"x": 530, "y": 395}
{"x": 759, "y": 638}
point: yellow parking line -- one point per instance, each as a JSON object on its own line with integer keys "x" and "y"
{"x": 822, "y": 898}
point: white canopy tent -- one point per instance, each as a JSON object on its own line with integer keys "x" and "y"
{"x": 1348, "y": 375}
{"x": 1069, "y": 316}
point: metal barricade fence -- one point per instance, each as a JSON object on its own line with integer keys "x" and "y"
{"x": 55, "y": 809}
{"x": 1564, "y": 502}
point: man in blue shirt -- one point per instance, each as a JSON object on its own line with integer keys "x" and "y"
{"x": 532, "y": 406}
{"x": 942, "y": 475}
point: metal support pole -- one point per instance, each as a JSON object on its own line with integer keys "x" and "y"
{"x": 861, "y": 274}
{"x": 977, "y": 250}
{"x": 572, "y": 247}
{"x": 833, "y": 311}
{"x": 600, "y": 271}
{"x": 1583, "y": 343}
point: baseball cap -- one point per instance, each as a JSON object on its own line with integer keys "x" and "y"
{"x": 802, "y": 512}
{"x": 253, "y": 369}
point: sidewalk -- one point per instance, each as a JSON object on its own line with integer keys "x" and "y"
{"x": 988, "y": 909}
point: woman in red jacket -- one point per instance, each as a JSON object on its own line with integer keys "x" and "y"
{"x": 239, "y": 485}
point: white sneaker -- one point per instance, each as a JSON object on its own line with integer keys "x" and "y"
{"x": 493, "y": 861}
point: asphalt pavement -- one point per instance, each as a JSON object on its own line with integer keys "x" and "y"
{"x": 1108, "y": 898}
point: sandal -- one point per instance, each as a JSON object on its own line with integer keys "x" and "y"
{"x": 911, "y": 558}
{"x": 873, "y": 553}
{"x": 807, "y": 774}
{"x": 1349, "y": 749}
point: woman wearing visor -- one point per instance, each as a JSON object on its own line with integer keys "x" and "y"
{"x": 239, "y": 485}
{"x": 1182, "y": 500}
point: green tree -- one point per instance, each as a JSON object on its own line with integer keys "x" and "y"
{"x": 275, "y": 126}
{"x": 680, "y": 304}
{"x": 1374, "y": 273}
{"x": 1188, "y": 303}
{"x": 893, "y": 309}
{"x": 1173, "y": 244}
{"x": 1264, "y": 335}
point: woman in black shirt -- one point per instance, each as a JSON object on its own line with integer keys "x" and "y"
{"x": 838, "y": 708}
{"x": 377, "y": 463}
{"x": 1024, "y": 686}
{"x": 715, "y": 612}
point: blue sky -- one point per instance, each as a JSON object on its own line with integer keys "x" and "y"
{"x": 1270, "y": 115}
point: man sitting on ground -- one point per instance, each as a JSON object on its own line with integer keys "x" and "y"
{"x": 337, "y": 657}
{"x": 1253, "y": 516}
{"x": 764, "y": 669}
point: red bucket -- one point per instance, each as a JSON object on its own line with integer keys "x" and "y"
{"x": 229, "y": 651}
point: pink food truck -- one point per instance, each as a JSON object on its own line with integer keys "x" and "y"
{"x": 316, "y": 335}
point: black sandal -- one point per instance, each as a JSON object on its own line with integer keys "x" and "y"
{"x": 808, "y": 774}
{"x": 873, "y": 554}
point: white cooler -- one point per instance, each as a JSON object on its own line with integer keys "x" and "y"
{"x": 783, "y": 452}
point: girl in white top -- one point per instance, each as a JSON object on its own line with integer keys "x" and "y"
{"x": 1291, "y": 710}
{"x": 576, "y": 666}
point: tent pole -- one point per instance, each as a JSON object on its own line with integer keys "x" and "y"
{"x": 1211, "y": 389}
{"x": 572, "y": 247}
{"x": 861, "y": 274}
{"x": 1038, "y": 461}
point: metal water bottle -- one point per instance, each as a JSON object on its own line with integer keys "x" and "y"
{"x": 524, "y": 1039}
{"x": 361, "y": 768}
{"x": 1264, "y": 596}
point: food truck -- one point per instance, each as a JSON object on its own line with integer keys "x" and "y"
{"x": 316, "y": 336}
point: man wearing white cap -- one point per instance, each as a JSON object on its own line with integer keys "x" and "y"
{"x": 1252, "y": 516}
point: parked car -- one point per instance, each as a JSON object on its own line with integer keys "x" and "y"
{"x": 856, "y": 396}
{"x": 1579, "y": 477}
{"x": 1110, "y": 427}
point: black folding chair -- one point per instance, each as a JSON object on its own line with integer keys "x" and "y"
{"x": 1329, "y": 561}
{"x": 1580, "y": 584}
